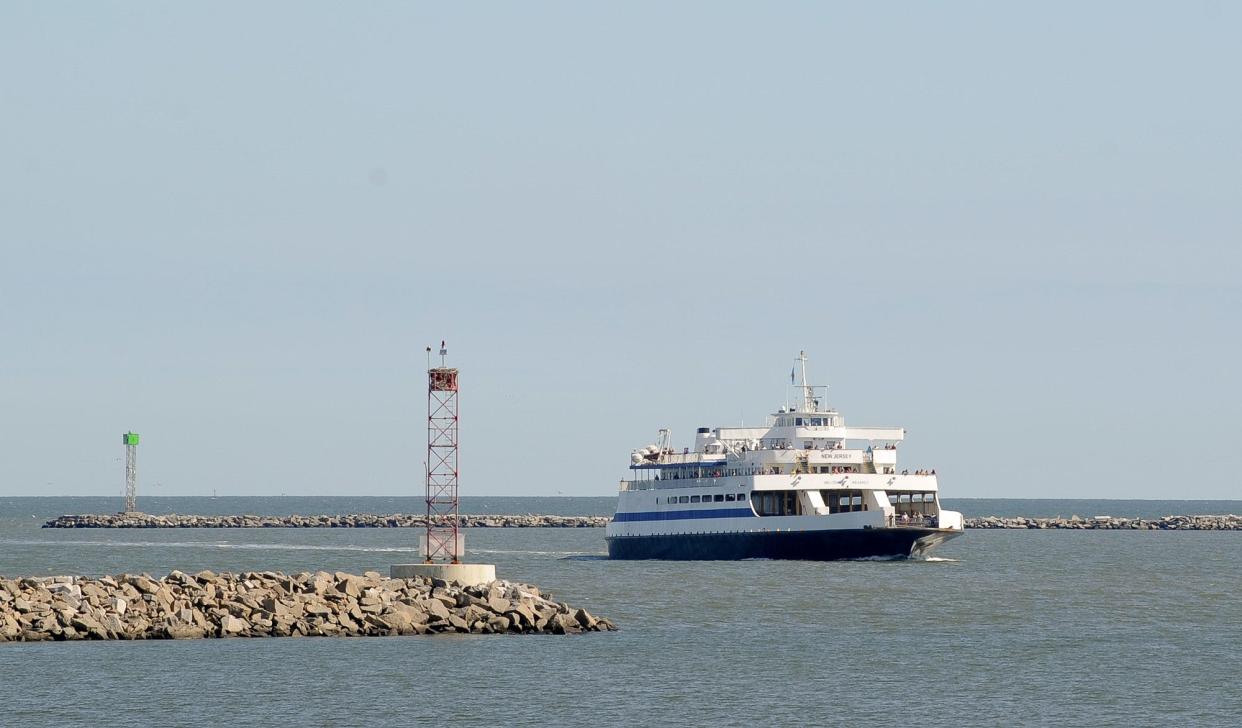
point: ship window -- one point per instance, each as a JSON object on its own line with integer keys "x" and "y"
{"x": 798, "y": 421}
{"x": 719, "y": 498}
{"x": 776, "y": 503}
{"x": 728, "y": 496}
{"x": 843, "y": 501}
{"x": 694, "y": 499}
{"x": 684, "y": 499}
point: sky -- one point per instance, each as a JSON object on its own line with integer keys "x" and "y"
{"x": 1013, "y": 229}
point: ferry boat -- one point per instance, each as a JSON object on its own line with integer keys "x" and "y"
{"x": 803, "y": 486}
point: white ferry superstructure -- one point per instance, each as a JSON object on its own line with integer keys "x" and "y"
{"x": 804, "y": 486}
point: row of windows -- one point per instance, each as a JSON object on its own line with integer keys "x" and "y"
{"x": 917, "y": 504}
{"x": 896, "y": 498}
{"x": 702, "y": 473}
{"x": 786, "y": 503}
{"x": 693, "y": 474}
{"x": 777, "y": 503}
{"x": 718, "y": 498}
{"x": 844, "y": 501}
{"x": 809, "y": 421}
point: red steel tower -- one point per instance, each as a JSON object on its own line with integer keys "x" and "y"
{"x": 443, "y": 541}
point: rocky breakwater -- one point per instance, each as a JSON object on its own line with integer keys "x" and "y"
{"x": 363, "y": 520}
{"x": 1166, "y": 523}
{"x": 271, "y": 604}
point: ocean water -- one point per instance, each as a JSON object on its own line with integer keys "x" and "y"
{"x": 998, "y": 628}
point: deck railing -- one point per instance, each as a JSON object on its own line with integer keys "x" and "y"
{"x": 912, "y": 521}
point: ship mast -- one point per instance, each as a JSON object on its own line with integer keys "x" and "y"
{"x": 808, "y": 394}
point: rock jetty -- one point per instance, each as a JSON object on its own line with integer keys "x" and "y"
{"x": 530, "y": 520}
{"x": 1166, "y": 523}
{"x": 359, "y": 520}
{"x": 271, "y": 604}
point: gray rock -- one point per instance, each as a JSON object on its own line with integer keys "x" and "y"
{"x": 434, "y": 609}
{"x": 232, "y": 625}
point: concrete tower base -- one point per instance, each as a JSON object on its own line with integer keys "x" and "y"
{"x": 464, "y": 574}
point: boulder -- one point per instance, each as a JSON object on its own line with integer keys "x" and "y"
{"x": 526, "y": 613}
{"x": 275, "y": 607}
{"x": 349, "y": 584}
{"x": 175, "y": 631}
{"x": 475, "y": 613}
{"x": 434, "y": 609}
{"x": 113, "y": 624}
{"x": 317, "y": 609}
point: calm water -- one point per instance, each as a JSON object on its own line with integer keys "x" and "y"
{"x": 1005, "y": 627}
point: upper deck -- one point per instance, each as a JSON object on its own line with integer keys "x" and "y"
{"x": 796, "y": 440}
{"x": 919, "y": 480}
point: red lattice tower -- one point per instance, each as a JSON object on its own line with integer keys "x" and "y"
{"x": 443, "y": 541}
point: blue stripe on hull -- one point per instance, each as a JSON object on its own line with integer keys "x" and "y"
{"x": 802, "y": 545}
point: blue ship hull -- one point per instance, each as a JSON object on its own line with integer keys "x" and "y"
{"x": 799, "y": 545}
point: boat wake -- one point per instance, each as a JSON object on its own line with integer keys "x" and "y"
{"x": 562, "y": 554}
{"x": 928, "y": 559}
{"x": 226, "y": 545}
{"x": 218, "y": 545}
{"x": 307, "y": 547}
